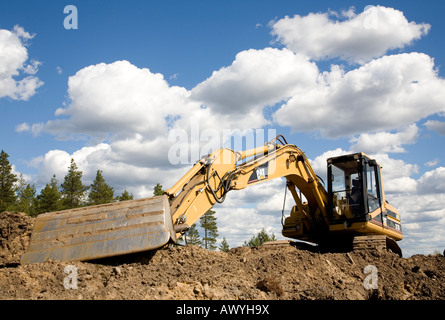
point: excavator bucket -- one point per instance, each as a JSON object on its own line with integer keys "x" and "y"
{"x": 101, "y": 231}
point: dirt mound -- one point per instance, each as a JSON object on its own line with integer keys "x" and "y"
{"x": 15, "y": 233}
{"x": 193, "y": 273}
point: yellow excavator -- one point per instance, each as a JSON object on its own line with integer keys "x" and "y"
{"x": 352, "y": 210}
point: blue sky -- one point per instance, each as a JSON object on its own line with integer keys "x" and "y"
{"x": 102, "y": 93}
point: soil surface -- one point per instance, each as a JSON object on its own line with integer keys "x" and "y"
{"x": 193, "y": 273}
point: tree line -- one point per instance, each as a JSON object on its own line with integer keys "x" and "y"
{"x": 18, "y": 195}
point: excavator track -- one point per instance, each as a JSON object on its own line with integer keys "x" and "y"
{"x": 376, "y": 242}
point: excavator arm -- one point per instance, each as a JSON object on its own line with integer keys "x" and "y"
{"x": 212, "y": 177}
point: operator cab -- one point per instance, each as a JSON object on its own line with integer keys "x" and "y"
{"x": 353, "y": 188}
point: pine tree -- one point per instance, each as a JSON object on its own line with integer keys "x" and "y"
{"x": 72, "y": 190}
{"x": 192, "y": 236}
{"x": 208, "y": 223}
{"x": 157, "y": 190}
{"x": 19, "y": 189}
{"x": 224, "y": 246}
{"x": 49, "y": 198}
{"x": 26, "y": 197}
{"x": 125, "y": 196}
{"x": 7, "y": 180}
{"x": 100, "y": 192}
{"x": 259, "y": 239}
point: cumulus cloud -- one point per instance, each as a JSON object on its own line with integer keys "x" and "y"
{"x": 385, "y": 94}
{"x": 118, "y": 172}
{"x": 131, "y": 119}
{"x": 255, "y": 79}
{"x": 396, "y": 174}
{"x": 266, "y": 197}
{"x": 116, "y": 99}
{"x": 358, "y": 38}
{"x": 422, "y": 221}
{"x": 13, "y": 65}
{"x": 58, "y": 161}
{"x": 385, "y": 141}
{"x": 130, "y": 108}
{"x": 240, "y": 224}
{"x": 432, "y": 182}
{"x": 319, "y": 162}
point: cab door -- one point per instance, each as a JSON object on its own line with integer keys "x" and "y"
{"x": 374, "y": 198}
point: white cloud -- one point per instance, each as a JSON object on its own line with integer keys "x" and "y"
{"x": 399, "y": 184}
{"x": 432, "y": 182}
{"x": 319, "y": 163}
{"x": 437, "y": 126}
{"x": 267, "y": 197}
{"x": 257, "y": 78}
{"x": 396, "y": 174}
{"x": 53, "y": 162}
{"x": 131, "y": 108}
{"x": 135, "y": 110}
{"x": 118, "y": 172}
{"x": 32, "y": 68}
{"x": 358, "y": 38}
{"x": 432, "y": 163}
{"x": 117, "y": 99}
{"x": 240, "y": 224}
{"x": 423, "y": 222}
{"x": 13, "y": 57}
{"x": 136, "y": 113}
{"x": 126, "y": 114}
{"x": 22, "y": 127}
{"x": 385, "y": 142}
{"x": 385, "y": 94}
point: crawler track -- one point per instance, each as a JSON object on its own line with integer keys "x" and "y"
{"x": 376, "y": 242}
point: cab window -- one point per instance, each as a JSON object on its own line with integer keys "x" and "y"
{"x": 373, "y": 194}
